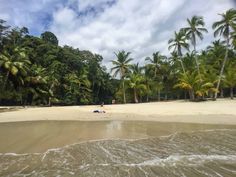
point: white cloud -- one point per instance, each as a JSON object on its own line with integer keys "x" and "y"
{"x": 125, "y": 25}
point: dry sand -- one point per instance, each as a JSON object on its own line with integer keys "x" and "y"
{"x": 210, "y": 112}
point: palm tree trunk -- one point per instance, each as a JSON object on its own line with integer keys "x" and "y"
{"x": 223, "y": 66}
{"x": 155, "y": 72}
{"x": 197, "y": 64}
{"x": 185, "y": 95}
{"x": 98, "y": 91}
{"x": 135, "y": 96}
{"x": 232, "y": 93}
{"x": 191, "y": 95}
{"x": 123, "y": 84}
{"x": 159, "y": 95}
{"x": 181, "y": 62}
{"x": 49, "y": 101}
{"x": 182, "y": 65}
{"x": 221, "y": 93}
{"x": 147, "y": 98}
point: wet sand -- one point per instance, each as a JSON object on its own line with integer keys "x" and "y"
{"x": 210, "y": 112}
{"x": 39, "y": 136}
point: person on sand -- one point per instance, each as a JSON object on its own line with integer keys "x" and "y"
{"x": 99, "y": 111}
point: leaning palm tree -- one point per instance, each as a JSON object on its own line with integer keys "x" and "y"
{"x": 155, "y": 61}
{"x": 179, "y": 42}
{"x": 223, "y": 28}
{"x": 121, "y": 66}
{"x": 194, "y": 31}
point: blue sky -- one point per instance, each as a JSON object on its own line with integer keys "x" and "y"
{"x": 106, "y": 26}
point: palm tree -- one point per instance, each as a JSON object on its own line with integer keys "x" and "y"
{"x": 78, "y": 87}
{"x": 233, "y": 37}
{"x": 179, "y": 42}
{"x": 158, "y": 86}
{"x": 148, "y": 80}
{"x": 14, "y": 63}
{"x": 194, "y": 31}
{"x": 136, "y": 69}
{"x": 230, "y": 80}
{"x": 155, "y": 61}
{"x": 188, "y": 81}
{"x": 210, "y": 76}
{"x": 223, "y": 27}
{"x": 136, "y": 82}
{"x": 121, "y": 67}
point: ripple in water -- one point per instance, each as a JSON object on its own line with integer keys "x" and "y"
{"x": 202, "y": 153}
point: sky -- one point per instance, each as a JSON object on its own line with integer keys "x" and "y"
{"x": 107, "y": 26}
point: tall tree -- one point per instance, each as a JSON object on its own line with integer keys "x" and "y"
{"x": 121, "y": 66}
{"x": 195, "y": 30}
{"x": 178, "y": 43}
{"x": 155, "y": 61}
{"x": 136, "y": 82}
{"x": 223, "y": 28}
{"x": 49, "y": 37}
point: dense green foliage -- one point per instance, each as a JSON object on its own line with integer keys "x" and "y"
{"x": 36, "y": 71}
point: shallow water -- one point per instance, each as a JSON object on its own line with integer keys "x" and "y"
{"x": 116, "y": 148}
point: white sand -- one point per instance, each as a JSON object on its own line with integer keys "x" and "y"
{"x": 212, "y": 112}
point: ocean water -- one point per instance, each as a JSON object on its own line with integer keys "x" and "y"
{"x": 152, "y": 149}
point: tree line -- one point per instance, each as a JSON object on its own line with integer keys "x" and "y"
{"x": 37, "y": 71}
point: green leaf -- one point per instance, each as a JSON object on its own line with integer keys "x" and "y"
{"x": 14, "y": 70}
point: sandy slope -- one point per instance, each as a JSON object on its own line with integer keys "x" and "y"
{"x": 214, "y": 112}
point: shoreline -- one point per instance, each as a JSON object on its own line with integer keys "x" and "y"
{"x": 218, "y": 112}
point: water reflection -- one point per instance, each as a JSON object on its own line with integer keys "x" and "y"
{"x": 38, "y": 136}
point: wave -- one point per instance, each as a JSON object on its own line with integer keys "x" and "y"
{"x": 198, "y": 153}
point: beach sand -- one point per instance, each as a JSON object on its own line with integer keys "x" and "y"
{"x": 209, "y": 112}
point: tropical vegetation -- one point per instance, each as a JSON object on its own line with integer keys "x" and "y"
{"x": 37, "y": 71}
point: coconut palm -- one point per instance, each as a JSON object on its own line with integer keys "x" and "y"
{"x": 121, "y": 67}
{"x": 188, "y": 81}
{"x": 77, "y": 87}
{"x": 193, "y": 31}
{"x": 158, "y": 87}
{"x": 223, "y": 28}
{"x": 136, "y": 82}
{"x": 230, "y": 80}
{"x": 136, "y": 69}
{"x": 155, "y": 61}
{"x": 148, "y": 80}
{"x": 178, "y": 43}
{"x": 13, "y": 63}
